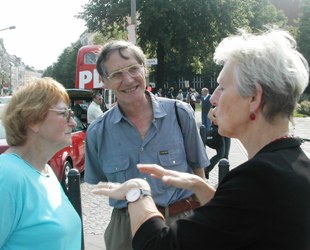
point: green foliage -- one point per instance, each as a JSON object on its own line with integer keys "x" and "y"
{"x": 304, "y": 108}
{"x": 181, "y": 34}
{"x": 64, "y": 69}
{"x": 115, "y": 33}
{"x": 303, "y": 29}
{"x": 304, "y": 97}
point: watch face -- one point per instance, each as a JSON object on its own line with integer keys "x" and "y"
{"x": 133, "y": 194}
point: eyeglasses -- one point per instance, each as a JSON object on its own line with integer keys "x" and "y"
{"x": 117, "y": 76}
{"x": 66, "y": 113}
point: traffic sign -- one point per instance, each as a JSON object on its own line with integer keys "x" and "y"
{"x": 151, "y": 61}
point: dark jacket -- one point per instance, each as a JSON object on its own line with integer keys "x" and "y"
{"x": 205, "y": 104}
{"x": 262, "y": 204}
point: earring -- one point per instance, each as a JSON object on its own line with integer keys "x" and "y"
{"x": 252, "y": 117}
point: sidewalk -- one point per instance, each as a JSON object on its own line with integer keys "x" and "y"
{"x": 96, "y": 211}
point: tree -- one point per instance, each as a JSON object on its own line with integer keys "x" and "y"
{"x": 64, "y": 69}
{"x": 303, "y": 32}
{"x": 182, "y": 34}
{"x": 4, "y": 65}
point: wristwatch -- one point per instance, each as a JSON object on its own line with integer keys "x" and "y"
{"x": 135, "y": 194}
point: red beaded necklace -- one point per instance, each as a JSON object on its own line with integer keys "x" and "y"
{"x": 283, "y": 137}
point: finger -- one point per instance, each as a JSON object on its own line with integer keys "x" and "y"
{"x": 99, "y": 191}
{"x": 176, "y": 181}
{"x": 114, "y": 193}
{"x": 153, "y": 169}
{"x": 107, "y": 185}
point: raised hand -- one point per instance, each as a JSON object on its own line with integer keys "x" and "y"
{"x": 170, "y": 177}
{"x": 199, "y": 186}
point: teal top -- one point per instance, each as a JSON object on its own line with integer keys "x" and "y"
{"x": 35, "y": 213}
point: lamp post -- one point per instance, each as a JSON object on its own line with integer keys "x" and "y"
{"x": 132, "y": 27}
{"x": 8, "y": 28}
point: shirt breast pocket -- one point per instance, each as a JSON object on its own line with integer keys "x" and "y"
{"x": 172, "y": 159}
{"x": 117, "y": 169}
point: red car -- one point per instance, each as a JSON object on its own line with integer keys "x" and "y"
{"x": 3, "y": 143}
{"x": 72, "y": 156}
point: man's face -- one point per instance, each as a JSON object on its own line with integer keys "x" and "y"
{"x": 130, "y": 85}
{"x": 98, "y": 99}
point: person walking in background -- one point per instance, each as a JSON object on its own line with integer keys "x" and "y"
{"x": 222, "y": 151}
{"x": 140, "y": 128}
{"x": 263, "y": 203}
{"x": 94, "y": 109}
{"x": 192, "y": 98}
{"x": 35, "y": 213}
{"x": 180, "y": 95}
{"x": 205, "y": 108}
{"x": 170, "y": 93}
{"x": 159, "y": 92}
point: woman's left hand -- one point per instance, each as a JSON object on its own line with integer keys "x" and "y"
{"x": 199, "y": 186}
{"x": 170, "y": 177}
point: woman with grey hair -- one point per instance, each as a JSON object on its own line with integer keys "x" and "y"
{"x": 263, "y": 203}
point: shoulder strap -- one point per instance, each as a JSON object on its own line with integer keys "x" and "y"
{"x": 177, "y": 115}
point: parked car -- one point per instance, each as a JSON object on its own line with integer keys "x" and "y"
{"x": 80, "y": 100}
{"x": 72, "y": 156}
{"x": 3, "y": 143}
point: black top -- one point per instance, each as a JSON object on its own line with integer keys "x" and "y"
{"x": 205, "y": 104}
{"x": 262, "y": 204}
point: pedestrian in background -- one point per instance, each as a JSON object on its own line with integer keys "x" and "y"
{"x": 222, "y": 150}
{"x": 94, "y": 109}
{"x": 159, "y": 92}
{"x": 180, "y": 95}
{"x": 205, "y": 108}
{"x": 35, "y": 213}
{"x": 263, "y": 203}
{"x": 170, "y": 93}
{"x": 192, "y": 98}
{"x": 140, "y": 128}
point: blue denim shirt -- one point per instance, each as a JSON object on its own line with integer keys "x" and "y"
{"x": 114, "y": 147}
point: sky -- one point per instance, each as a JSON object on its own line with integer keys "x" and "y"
{"x": 44, "y": 28}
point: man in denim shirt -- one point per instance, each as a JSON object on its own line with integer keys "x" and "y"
{"x": 141, "y": 128}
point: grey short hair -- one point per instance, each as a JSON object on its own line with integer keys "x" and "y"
{"x": 271, "y": 60}
{"x": 118, "y": 45}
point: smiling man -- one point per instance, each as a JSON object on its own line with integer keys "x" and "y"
{"x": 141, "y": 128}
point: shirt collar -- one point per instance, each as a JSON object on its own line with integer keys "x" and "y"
{"x": 158, "y": 109}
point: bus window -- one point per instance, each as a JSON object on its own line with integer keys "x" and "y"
{"x": 90, "y": 58}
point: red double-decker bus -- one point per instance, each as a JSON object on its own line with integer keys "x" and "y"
{"x": 87, "y": 76}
